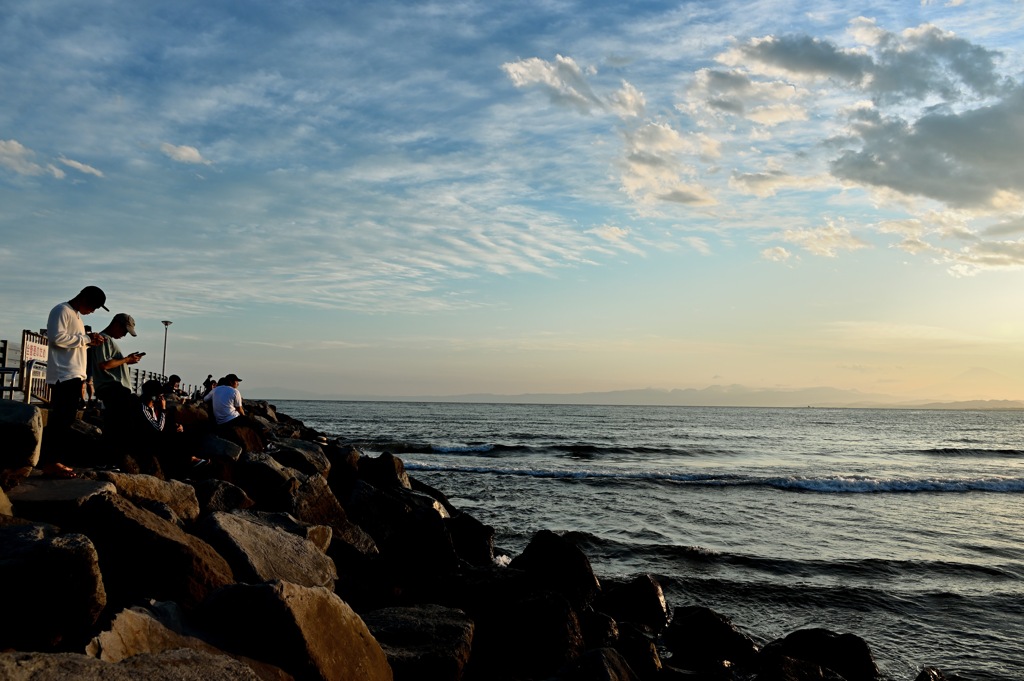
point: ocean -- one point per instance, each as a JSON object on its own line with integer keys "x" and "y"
{"x": 904, "y": 527}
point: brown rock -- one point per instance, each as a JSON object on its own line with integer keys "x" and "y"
{"x": 172, "y": 665}
{"x": 143, "y": 556}
{"x": 639, "y": 601}
{"x": 55, "y": 501}
{"x": 220, "y": 495}
{"x": 300, "y": 455}
{"x": 180, "y": 497}
{"x": 384, "y": 471}
{"x": 259, "y": 552}
{"x": 21, "y": 431}
{"x": 308, "y": 632}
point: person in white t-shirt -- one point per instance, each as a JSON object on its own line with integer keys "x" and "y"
{"x": 229, "y": 413}
{"x": 66, "y": 370}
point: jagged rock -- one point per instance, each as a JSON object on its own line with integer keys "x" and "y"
{"x": 562, "y": 567}
{"x": 599, "y": 629}
{"x": 384, "y": 471}
{"x": 344, "y": 467}
{"x": 259, "y": 552}
{"x": 179, "y": 496}
{"x": 55, "y": 501}
{"x": 21, "y": 431}
{"x": 313, "y": 502}
{"x": 846, "y": 654}
{"x": 700, "y": 638}
{"x": 270, "y": 484}
{"x": 777, "y": 667}
{"x": 639, "y": 601}
{"x": 308, "y": 632}
{"x": 407, "y": 527}
{"x": 262, "y": 409}
{"x": 319, "y": 535}
{"x": 637, "y": 647}
{"x": 599, "y": 664}
{"x": 171, "y": 665}
{"x": 143, "y": 556}
{"x": 423, "y": 642}
{"x": 69, "y": 593}
{"x": 301, "y": 455}
{"x": 140, "y": 630}
{"x": 190, "y": 416}
{"x": 473, "y": 541}
{"x": 220, "y": 495}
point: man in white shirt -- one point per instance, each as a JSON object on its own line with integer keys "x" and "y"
{"x": 228, "y": 412}
{"x": 65, "y": 371}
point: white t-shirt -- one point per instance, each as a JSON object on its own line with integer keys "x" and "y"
{"x": 226, "y": 403}
{"x": 67, "y": 342}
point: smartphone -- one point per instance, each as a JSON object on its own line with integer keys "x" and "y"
{"x": 140, "y": 354}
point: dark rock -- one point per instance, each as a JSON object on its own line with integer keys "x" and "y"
{"x": 69, "y": 594}
{"x": 700, "y": 638}
{"x": 599, "y": 664}
{"x": 846, "y": 654}
{"x": 55, "y": 501}
{"x": 171, "y": 665}
{"x": 561, "y": 565}
{"x": 472, "y": 540}
{"x": 599, "y": 630}
{"x": 209, "y": 446}
{"x": 259, "y": 552}
{"x": 639, "y": 601}
{"x": 21, "y": 431}
{"x": 637, "y": 647}
{"x": 143, "y": 556}
{"x": 308, "y": 632}
{"x": 219, "y": 495}
{"x": 301, "y": 455}
{"x": 190, "y": 416}
{"x": 344, "y": 467}
{"x": 384, "y": 471}
{"x": 424, "y": 641}
{"x": 777, "y": 667}
{"x": 935, "y": 674}
{"x": 6, "y": 507}
{"x": 179, "y": 496}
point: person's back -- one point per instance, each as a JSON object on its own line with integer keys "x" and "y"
{"x": 226, "y": 401}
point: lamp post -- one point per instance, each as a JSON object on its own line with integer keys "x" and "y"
{"x": 163, "y": 370}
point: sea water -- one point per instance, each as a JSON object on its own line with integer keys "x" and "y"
{"x": 904, "y": 527}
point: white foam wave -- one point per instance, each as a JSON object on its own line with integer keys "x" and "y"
{"x": 822, "y": 485}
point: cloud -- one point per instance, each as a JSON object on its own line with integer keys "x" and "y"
{"x": 616, "y": 236}
{"x": 825, "y": 241}
{"x": 183, "y": 154}
{"x": 776, "y": 254}
{"x": 80, "y": 167}
{"x": 769, "y": 182}
{"x": 717, "y": 93}
{"x": 654, "y": 169}
{"x": 566, "y": 84}
{"x": 15, "y": 156}
{"x": 969, "y": 159}
{"x": 917, "y": 63}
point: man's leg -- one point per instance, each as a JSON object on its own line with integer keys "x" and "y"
{"x": 64, "y": 397}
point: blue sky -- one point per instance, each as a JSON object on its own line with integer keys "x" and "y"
{"x": 443, "y": 198}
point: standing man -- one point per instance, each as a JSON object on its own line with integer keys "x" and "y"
{"x": 109, "y": 370}
{"x": 65, "y": 371}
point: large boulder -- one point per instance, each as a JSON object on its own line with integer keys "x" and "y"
{"x": 384, "y": 471}
{"x": 53, "y": 588}
{"x": 158, "y": 628}
{"x": 599, "y": 664}
{"x": 639, "y": 601}
{"x": 320, "y": 535}
{"x": 307, "y": 631}
{"x": 57, "y": 502}
{"x": 144, "y": 556}
{"x": 700, "y": 638}
{"x": 560, "y": 566}
{"x": 846, "y": 654}
{"x": 21, "y": 431}
{"x": 6, "y": 507}
{"x": 300, "y": 455}
{"x": 172, "y": 665}
{"x": 220, "y": 495}
{"x": 216, "y": 449}
{"x": 424, "y": 641}
{"x": 259, "y": 552}
{"x": 180, "y": 497}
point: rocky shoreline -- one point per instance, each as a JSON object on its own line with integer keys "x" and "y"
{"x": 314, "y": 561}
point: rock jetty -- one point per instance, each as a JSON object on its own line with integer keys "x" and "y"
{"x": 313, "y": 561}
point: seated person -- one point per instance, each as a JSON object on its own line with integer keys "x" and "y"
{"x": 172, "y": 389}
{"x": 229, "y": 413}
{"x": 159, "y": 435}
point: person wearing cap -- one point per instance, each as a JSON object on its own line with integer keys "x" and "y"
{"x": 229, "y": 413}
{"x": 66, "y": 370}
{"x": 108, "y": 367}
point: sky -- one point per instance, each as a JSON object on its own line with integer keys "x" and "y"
{"x": 438, "y": 198}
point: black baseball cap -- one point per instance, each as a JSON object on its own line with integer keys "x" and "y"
{"x": 95, "y": 297}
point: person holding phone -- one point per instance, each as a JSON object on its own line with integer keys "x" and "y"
{"x": 108, "y": 367}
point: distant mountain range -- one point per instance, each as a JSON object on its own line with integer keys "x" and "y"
{"x": 712, "y": 396}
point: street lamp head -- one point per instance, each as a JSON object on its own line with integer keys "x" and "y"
{"x": 166, "y": 323}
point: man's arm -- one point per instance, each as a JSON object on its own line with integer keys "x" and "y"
{"x": 58, "y": 329}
